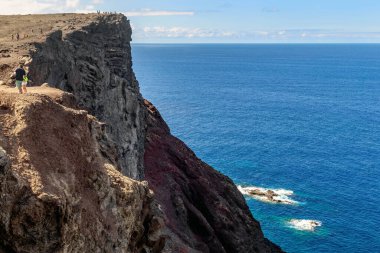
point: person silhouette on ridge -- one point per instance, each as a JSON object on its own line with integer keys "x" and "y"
{"x": 20, "y": 75}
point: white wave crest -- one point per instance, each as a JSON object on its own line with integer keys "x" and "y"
{"x": 304, "y": 225}
{"x": 276, "y": 196}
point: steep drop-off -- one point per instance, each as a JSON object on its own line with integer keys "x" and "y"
{"x": 94, "y": 63}
{"x": 59, "y": 191}
{"x": 53, "y": 147}
{"x": 202, "y": 206}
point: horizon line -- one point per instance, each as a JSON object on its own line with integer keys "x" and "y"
{"x": 258, "y": 43}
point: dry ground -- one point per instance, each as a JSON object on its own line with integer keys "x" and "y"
{"x": 48, "y": 91}
{"x": 32, "y": 29}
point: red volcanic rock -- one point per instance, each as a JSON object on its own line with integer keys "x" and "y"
{"x": 203, "y": 208}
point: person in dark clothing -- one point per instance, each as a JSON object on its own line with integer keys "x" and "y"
{"x": 20, "y": 74}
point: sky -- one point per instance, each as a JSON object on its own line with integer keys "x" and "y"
{"x": 229, "y": 21}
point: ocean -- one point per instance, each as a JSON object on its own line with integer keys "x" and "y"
{"x": 302, "y": 119}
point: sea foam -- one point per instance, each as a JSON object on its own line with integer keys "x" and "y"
{"x": 304, "y": 225}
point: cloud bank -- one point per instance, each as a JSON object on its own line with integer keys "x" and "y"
{"x": 187, "y": 33}
{"x": 153, "y": 13}
{"x": 10, "y": 7}
{"x": 180, "y": 32}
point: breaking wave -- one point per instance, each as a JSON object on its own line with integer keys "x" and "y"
{"x": 304, "y": 225}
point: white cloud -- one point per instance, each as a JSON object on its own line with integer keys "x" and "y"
{"x": 321, "y": 34}
{"x": 87, "y": 9}
{"x": 341, "y": 35}
{"x": 180, "y": 32}
{"x": 149, "y": 12}
{"x": 262, "y": 33}
{"x": 72, "y": 3}
{"x": 176, "y": 32}
{"x": 97, "y": 2}
{"x": 9, "y": 7}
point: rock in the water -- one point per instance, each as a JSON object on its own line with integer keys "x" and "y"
{"x": 304, "y": 225}
{"x": 275, "y": 196}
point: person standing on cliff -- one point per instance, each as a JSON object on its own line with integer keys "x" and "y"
{"x": 20, "y": 74}
{"x": 25, "y": 83}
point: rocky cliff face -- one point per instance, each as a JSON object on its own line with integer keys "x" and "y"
{"x": 202, "y": 207}
{"x": 65, "y": 177}
{"x": 94, "y": 63}
{"x": 59, "y": 191}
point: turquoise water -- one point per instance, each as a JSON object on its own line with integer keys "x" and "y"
{"x": 304, "y": 118}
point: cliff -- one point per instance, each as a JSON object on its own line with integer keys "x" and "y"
{"x": 202, "y": 206}
{"x": 89, "y": 56}
{"x": 68, "y": 179}
{"x": 59, "y": 192}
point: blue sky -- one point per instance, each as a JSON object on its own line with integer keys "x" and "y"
{"x": 239, "y": 21}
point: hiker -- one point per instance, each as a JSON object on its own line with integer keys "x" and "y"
{"x": 20, "y": 74}
{"x": 17, "y": 36}
{"x": 25, "y": 83}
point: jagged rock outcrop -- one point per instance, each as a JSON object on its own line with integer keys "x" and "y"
{"x": 94, "y": 63}
{"x": 59, "y": 191}
{"x": 202, "y": 207}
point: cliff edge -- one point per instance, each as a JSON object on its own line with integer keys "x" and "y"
{"x": 73, "y": 157}
{"x": 59, "y": 192}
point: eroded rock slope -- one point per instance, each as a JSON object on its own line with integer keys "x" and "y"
{"x": 202, "y": 207}
{"x": 59, "y": 191}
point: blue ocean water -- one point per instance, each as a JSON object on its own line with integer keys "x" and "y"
{"x": 300, "y": 117}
